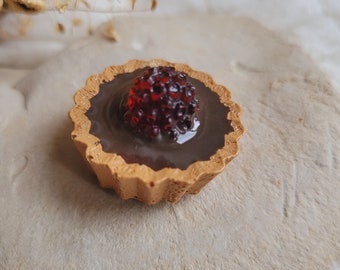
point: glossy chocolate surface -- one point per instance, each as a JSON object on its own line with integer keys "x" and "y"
{"x": 105, "y": 115}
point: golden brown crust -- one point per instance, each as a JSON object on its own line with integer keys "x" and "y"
{"x": 26, "y": 6}
{"x": 139, "y": 181}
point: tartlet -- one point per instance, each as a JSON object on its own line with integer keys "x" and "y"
{"x": 163, "y": 169}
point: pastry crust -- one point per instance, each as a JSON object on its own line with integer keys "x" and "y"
{"x": 35, "y": 6}
{"x": 140, "y": 181}
{"x": 26, "y": 6}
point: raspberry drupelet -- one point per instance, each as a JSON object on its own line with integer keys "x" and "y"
{"x": 161, "y": 102}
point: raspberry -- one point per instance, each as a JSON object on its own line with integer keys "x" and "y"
{"x": 161, "y": 102}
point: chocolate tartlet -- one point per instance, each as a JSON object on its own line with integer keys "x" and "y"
{"x": 155, "y": 130}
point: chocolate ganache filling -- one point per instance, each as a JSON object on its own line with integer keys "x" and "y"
{"x": 197, "y": 144}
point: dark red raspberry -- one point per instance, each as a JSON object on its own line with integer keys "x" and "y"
{"x": 161, "y": 101}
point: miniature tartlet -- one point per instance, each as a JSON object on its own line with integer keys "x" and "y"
{"x": 155, "y": 130}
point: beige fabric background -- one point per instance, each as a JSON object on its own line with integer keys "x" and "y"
{"x": 276, "y": 205}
